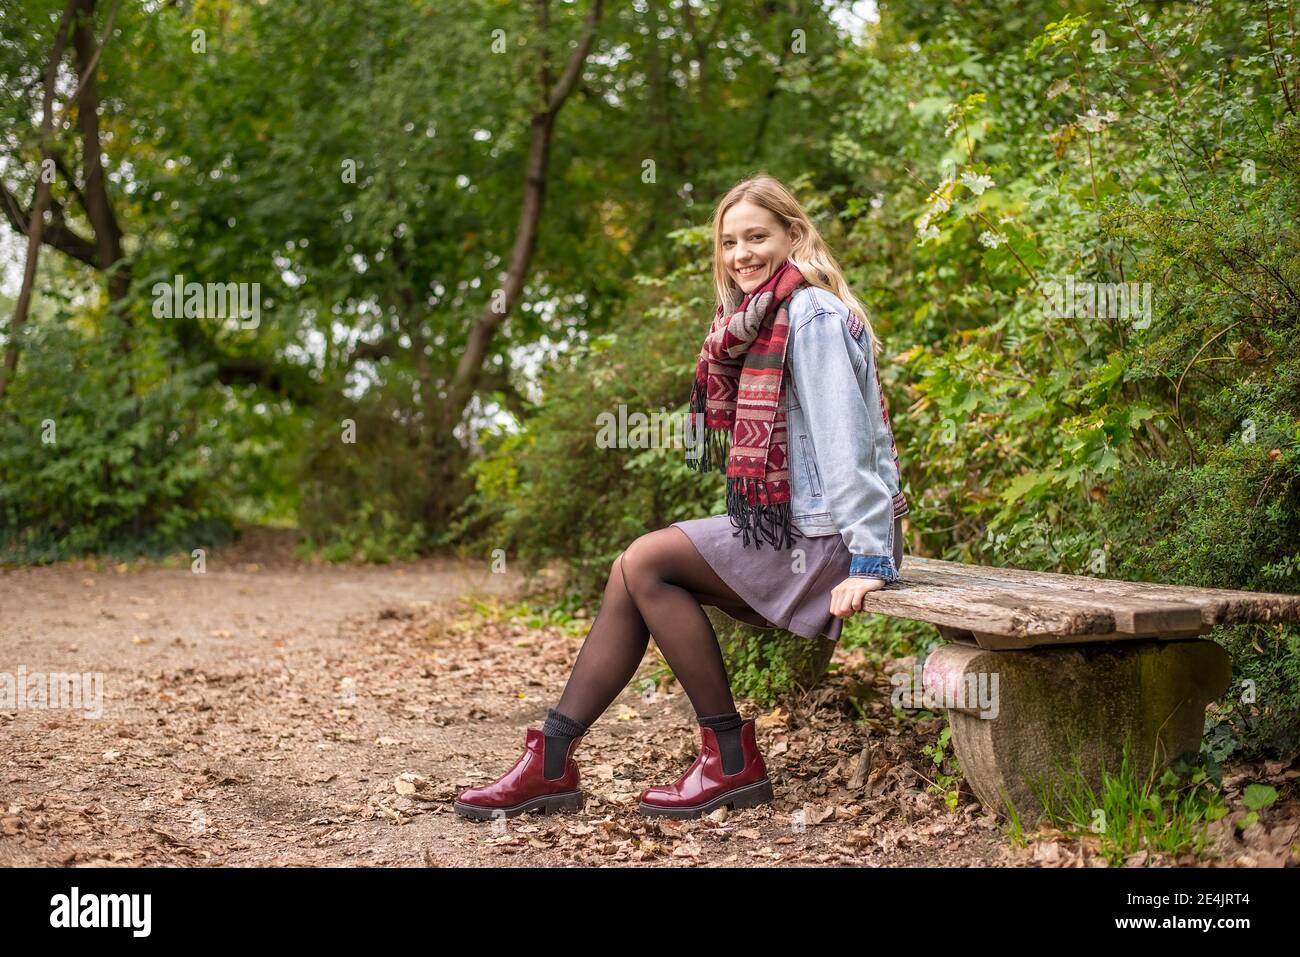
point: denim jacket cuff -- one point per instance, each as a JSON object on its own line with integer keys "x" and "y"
{"x": 873, "y": 566}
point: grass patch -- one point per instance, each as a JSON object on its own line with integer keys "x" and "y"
{"x": 1133, "y": 810}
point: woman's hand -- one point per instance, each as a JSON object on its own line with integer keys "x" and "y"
{"x": 846, "y": 597}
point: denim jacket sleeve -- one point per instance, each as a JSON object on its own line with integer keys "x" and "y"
{"x": 821, "y": 354}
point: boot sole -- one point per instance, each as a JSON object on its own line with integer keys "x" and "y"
{"x": 751, "y": 795}
{"x": 547, "y": 804}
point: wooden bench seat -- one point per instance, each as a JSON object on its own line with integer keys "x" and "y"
{"x": 1013, "y": 608}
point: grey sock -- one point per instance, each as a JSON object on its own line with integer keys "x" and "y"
{"x": 560, "y": 730}
{"x": 726, "y": 727}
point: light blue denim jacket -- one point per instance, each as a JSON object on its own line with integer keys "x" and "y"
{"x": 844, "y": 468}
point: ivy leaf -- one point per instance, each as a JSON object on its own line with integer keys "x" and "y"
{"x": 1257, "y": 796}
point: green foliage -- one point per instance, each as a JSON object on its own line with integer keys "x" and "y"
{"x": 883, "y": 637}
{"x": 1257, "y": 717}
{"x": 366, "y": 535}
{"x": 361, "y": 483}
{"x": 555, "y": 612}
{"x": 1133, "y": 811}
{"x": 1015, "y": 828}
{"x": 765, "y": 665}
{"x": 947, "y": 769}
{"x": 553, "y": 492}
{"x": 101, "y": 454}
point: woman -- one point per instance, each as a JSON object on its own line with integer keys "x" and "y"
{"x": 788, "y": 387}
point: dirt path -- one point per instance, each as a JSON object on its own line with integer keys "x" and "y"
{"x": 267, "y": 712}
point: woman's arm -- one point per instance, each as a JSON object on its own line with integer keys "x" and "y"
{"x": 845, "y": 438}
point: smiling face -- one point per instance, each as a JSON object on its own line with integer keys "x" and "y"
{"x": 754, "y": 244}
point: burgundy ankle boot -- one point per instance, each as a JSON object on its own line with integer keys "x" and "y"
{"x": 524, "y": 788}
{"x": 706, "y": 786}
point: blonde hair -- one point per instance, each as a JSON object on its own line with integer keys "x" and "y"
{"x": 809, "y": 253}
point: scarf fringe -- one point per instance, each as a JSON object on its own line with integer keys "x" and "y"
{"x": 717, "y": 442}
{"x": 767, "y": 523}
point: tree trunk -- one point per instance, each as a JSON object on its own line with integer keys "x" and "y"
{"x": 40, "y": 202}
{"x": 461, "y": 388}
{"x": 105, "y": 252}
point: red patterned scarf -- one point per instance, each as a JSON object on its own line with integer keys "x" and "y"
{"x": 740, "y": 388}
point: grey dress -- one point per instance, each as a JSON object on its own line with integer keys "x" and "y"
{"x": 788, "y": 589}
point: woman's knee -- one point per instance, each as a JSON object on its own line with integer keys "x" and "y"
{"x": 637, "y": 564}
{"x": 616, "y": 572}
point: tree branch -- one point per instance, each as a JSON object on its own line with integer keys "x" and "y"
{"x": 57, "y": 234}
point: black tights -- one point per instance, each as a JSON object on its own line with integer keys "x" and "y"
{"x": 656, "y": 585}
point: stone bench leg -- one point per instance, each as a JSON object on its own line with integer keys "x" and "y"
{"x": 1049, "y": 710}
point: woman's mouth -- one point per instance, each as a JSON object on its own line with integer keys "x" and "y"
{"x": 745, "y": 272}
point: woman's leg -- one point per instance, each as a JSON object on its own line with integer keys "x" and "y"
{"x": 610, "y": 654}
{"x": 657, "y": 584}
{"x": 670, "y": 582}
